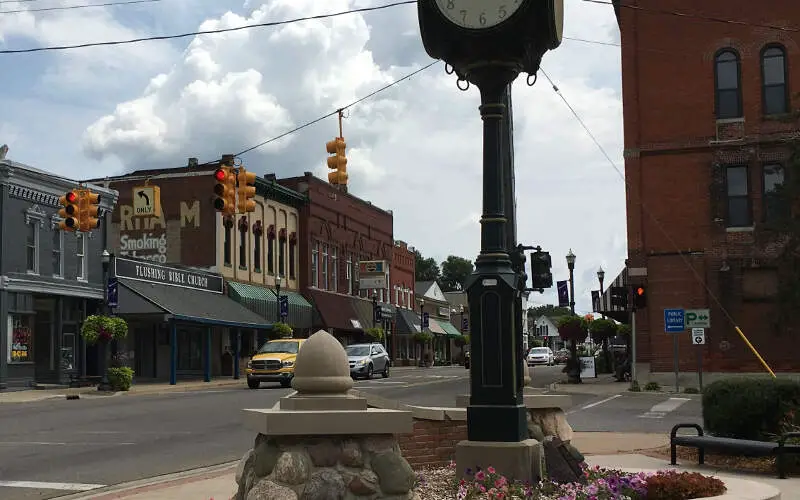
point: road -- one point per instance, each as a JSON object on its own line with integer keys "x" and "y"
{"x": 94, "y": 441}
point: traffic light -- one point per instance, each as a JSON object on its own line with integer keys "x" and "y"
{"x": 247, "y": 190}
{"x": 639, "y": 297}
{"x": 619, "y": 297}
{"x": 69, "y": 212}
{"x": 338, "y": 162}
{"x": 541, "y": 277}
{"x": 225, "y": 190}
{"x": 89, "y": 203}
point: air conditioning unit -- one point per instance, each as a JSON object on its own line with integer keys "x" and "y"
{"x": 729, "y": 130}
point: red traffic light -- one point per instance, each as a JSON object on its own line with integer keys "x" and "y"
{"x": 71, "y": 197}
{"x": 220, "y": 175}
{"x": 640, "y": 291}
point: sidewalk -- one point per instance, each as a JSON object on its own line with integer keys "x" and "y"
{"x": 219, "y": 482}
{"x": 606, "y": 385}
{"x": 32, "y": 395}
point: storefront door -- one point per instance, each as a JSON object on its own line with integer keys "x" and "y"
{"x": 190, "y": 350}
{"x": 44, "y": 355}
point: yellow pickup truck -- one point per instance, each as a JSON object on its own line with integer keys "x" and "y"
{"x": 273, "y": 362}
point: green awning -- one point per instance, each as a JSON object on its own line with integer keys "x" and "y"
{"x": 262, "y": 301}
{"x": 449, "y": 329}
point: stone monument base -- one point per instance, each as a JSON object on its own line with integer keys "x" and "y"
{"x": 523, "y": 460}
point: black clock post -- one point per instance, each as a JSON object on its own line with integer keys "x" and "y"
{"x": 489, "y": 46}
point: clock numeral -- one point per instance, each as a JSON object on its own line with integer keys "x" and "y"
{"x": 463, "y": 15}
{"x": 451, "y": 4}
{"x": 482, "y": 19}
{"x": 502, "y": 12}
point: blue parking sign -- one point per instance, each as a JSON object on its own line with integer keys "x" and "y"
{"x": 674, "y": 321}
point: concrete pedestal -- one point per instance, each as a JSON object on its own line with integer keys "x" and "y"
{"x": 520, "y": 461}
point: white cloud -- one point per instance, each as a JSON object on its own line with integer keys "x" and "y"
{"x": 415, "y": 148}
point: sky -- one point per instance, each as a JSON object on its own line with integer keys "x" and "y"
{"x": 414, "y": 148}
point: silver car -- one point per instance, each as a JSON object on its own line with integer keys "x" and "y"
{"x": 541, "y": 356}
{"x": 367, "y": 359}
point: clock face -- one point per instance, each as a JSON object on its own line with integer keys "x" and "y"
{"x": 478, "y": 14}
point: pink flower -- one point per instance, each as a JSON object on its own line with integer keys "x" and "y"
{"x": 490, "y": 470}
{"x": 480, "y": 476}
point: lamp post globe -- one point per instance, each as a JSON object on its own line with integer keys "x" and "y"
{"x": 601, "y": 275}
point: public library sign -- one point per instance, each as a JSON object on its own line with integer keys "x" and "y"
{"x": 163, "y": 275}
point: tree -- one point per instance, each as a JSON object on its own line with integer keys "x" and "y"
{"x": 548, "y": 310}
{"x": 426, "y": 269}
{"x": 455, "y": 271}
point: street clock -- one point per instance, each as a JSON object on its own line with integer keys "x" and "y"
{"x": 467, "y": 32}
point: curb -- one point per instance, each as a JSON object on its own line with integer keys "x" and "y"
{"x": 557, "y": 387}
{"x": 130, "y": 488}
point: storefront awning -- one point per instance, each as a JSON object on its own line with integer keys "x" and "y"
{"x": 184, "y": 304}
{"x": 364, "y": 313}
{"x": 449, "y": 329}
{"x": 407, "y": 322}
{"x": 335, "y": 311}
{"x": 435, "y": 327}
{"x": 262, "y": 301}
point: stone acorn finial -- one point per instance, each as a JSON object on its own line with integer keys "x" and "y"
{"x": 321, "y": 366}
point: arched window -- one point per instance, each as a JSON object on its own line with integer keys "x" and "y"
{"x": 727, "y": 82}
{"x": 775, "y": 98}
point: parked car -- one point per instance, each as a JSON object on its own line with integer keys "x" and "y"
{"x": 541, "y": 356}
{"x": 561, "y": 356}
{"x": 273, "y": 362}
{"x": 367, "y": 359}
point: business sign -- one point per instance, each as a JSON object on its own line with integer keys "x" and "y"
{"x": 164, "y": 275}
{"x": 674, "y": 321}
{"x": 372, "y": 267}
{"x": 373, "y": 274}
{"x": 372, "y": 282}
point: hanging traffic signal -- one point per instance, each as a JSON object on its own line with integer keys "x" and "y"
{"x": 619, "y": 297}
{"x": 247, "y": 190}
{"x": 225, "y": 190}
{"x": 89, "y": 203}
{"x": 338, "y": 162}
{"x": 639, "y": 297}
{"x": 541, "y": 277}
{"x": 69, "y": 211}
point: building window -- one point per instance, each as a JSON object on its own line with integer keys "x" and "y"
{"x": 32, "y": 247}
{"x": 243, "y": 243}
{"x": 315, "y": 264}
{"x": 292, "y": 253}
{"x": 397, "y": 295}
{"x": 774, "y": 207}
{"x": 738, "y": 196}
{"x": 324, "y": 267}
{"x": 20, "y": 338}
{"x": 227, "y": 244}
{"x": 727, "y": 78}
{"x": 58, "y": 253}
{"x": 80, "y": 254}
{"x": 271, "y": 251}
{"x": 773, "y": 77}
{"x": 282, "y": 257}
{"x": 334, "y": 270}
{"x": 258, "y": 234}
{"x": 349, "y": 274}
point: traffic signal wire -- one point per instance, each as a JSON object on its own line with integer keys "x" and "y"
{"x": 73, "y": 7}
{"x": 658, "y": 223}
{"x": 207, "y": 32}
{"x": 336, "y": 111}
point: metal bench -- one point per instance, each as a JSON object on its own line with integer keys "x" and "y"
{"x": 702, "y": 443}
{"x": 76, "y": 380}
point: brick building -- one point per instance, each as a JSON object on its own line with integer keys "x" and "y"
{"x": 246, "y": 253}
{"x": 402, "y": 280}
{"x": 337, "y": 231}
{"x": 706, "y": 148}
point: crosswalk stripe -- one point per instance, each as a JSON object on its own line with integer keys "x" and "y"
{"x": 39, "y": 485}
{"x": 661, "y": 409}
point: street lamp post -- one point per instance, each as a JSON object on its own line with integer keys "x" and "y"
{"x": 104, "y": 385}
{"x": 600, "y": 277}
{"x": 422, "y": 330}
{"x": 374, "y": 309}
{"x": 278, "y": 298}
{"x": 574, "y": 374}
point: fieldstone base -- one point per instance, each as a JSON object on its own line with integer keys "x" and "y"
{"x": 325, "y": 468}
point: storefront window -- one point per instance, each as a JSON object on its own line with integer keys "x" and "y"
{"x": 20, "y": 338}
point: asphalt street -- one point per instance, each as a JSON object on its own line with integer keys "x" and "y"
{"x": 56, "y": 447}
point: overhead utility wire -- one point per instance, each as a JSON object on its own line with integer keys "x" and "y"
{"x": 658, "y": 223}
{"x": 332, "y": 113}
{"x": 789, "y": 29}
{"x": 73, "y": 7}
{"x": 206, "y": 32}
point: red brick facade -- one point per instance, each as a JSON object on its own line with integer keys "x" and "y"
{"x": 402, "y": 275}
{"x": 685, "y": 132}
{"x": 340, "y": 229}
{"x": 433, "y": 442}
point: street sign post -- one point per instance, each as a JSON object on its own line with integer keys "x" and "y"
{"x": 675, "y": 322}
{"x": 698, "y": 318}
{"x": 699, "y": 339}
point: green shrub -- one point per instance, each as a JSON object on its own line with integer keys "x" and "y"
{"x": 652, "y": 386}
{"x": 281, "y": 330}
{"x": 375, "y": 333}
{"x": 691, "y": 390}
{"x": 745, "y": 408}
{"x": 120, "y": 378}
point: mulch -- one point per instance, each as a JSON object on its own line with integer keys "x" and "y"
{"x": 688, "y": 456}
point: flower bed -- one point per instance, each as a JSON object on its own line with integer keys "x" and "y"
{"x": 601, "y": 484}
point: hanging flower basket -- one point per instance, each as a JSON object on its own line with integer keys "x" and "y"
{"x": 602, "y": 329}
{"x": 374, "y": 333}
{"x": 423, "y": 337}
{"x": 572, "y": 328}
{"x": 99, "y": 328}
